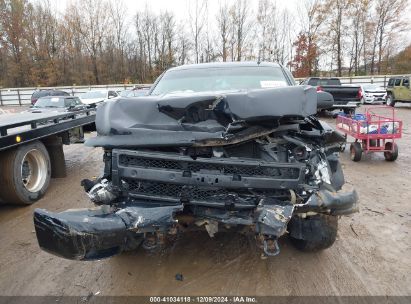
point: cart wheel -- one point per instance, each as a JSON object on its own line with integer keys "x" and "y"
{"x": 393, "y": 155}
{"x": 355, "y": 151}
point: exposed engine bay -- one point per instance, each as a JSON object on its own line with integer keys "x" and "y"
{"x": 257, "y": 161}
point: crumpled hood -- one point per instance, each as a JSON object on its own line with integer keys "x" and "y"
{"x": 184, "y": 119}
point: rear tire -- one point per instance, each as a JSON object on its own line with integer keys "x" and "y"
{"x": 391, "y": 156}
{"x": 355, "y": 151}
{"x": 313, "y": 233}
{"x": 24, "y": 173}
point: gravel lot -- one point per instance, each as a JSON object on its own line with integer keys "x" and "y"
{"x": 371, "y": 256}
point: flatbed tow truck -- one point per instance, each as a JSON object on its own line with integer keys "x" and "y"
{"x": 31, "y": 151}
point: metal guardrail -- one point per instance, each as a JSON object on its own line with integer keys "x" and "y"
{"x": 21, "y": 96}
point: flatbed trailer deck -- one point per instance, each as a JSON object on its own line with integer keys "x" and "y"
{"x": 31, "y": 151}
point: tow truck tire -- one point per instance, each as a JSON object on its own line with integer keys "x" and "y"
{"x": 314, "y": 233}
{"x": 391, "y": 156}
{"x": 24, "y": 173}
{"x": 390, "y": 100}
{"x": 355, "y": 151}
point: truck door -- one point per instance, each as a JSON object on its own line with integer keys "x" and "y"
{"x": 406, "y": 89}
{"x": 398, "y": 89}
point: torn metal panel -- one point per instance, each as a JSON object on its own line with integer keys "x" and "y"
{"x": 148, "y": 219}
{"x": 272, "y": 220}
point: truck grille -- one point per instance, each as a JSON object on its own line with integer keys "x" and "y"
{"x": 174, "y": 192}
{"x": 177, "y": 178}
{"x": 194, "y": 166}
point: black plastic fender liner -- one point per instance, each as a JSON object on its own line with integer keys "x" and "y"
{"x": 83, "y": 234}
{"x": 338, "y": 203}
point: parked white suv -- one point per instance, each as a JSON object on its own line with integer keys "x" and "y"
{"x": 372, "y": 93}
{"x": 94, "y": 97}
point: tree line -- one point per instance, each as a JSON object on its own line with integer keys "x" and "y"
{"x": 99, "y": 42}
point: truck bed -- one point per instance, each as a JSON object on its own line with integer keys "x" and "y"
{"x": 342, "y": 94}
{"x": 32, "y": 126}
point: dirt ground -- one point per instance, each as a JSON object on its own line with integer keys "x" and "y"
{"x": 372, "y": 255}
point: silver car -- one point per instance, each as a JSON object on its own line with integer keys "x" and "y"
{"x": 372, "y": 94}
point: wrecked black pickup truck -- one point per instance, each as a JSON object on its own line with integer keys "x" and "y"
{"x": 214, "y": 146}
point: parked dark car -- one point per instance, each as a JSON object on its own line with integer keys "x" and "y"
{"x": 58, "y": 103}
{"x": 222, "y": 146}
{"x": 41, "y": 93}
{"x": 346, "y": 97}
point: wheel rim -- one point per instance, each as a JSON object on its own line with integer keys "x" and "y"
{"x": 33, "y": 170}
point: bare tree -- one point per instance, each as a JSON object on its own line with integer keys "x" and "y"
{"x": 240, "y": 12}
{"x": 90, "y": 19}
{"x": 117, "y": 12}
{"x": 223, "y": 23}
{"x": 13, "y": 24}
{"x": 388, "y": 15}
{"x": 197, "y": 13}
{"x": 358, "y": 32}
{"x": 312, "y": 14}
{"x": 337, "y": 28}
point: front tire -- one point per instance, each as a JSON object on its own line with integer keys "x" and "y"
{"x": 314, "y": 233}
{"x": 390, "y": 100}
{"x": 24, "y": 173}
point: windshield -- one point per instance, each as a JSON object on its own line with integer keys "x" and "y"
{"x": 125, "y": 93}
{"x": 50, "y": 102}
{"x": 137, "y": 93}
{"x": 372, "y": 87}
{"x": 94, "y": 94}
{"x": 220, "y": 79}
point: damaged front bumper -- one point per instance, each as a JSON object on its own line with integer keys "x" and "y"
{"x": 90, "y": 234}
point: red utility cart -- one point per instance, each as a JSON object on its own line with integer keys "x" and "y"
{"x": 374, "y": 131}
